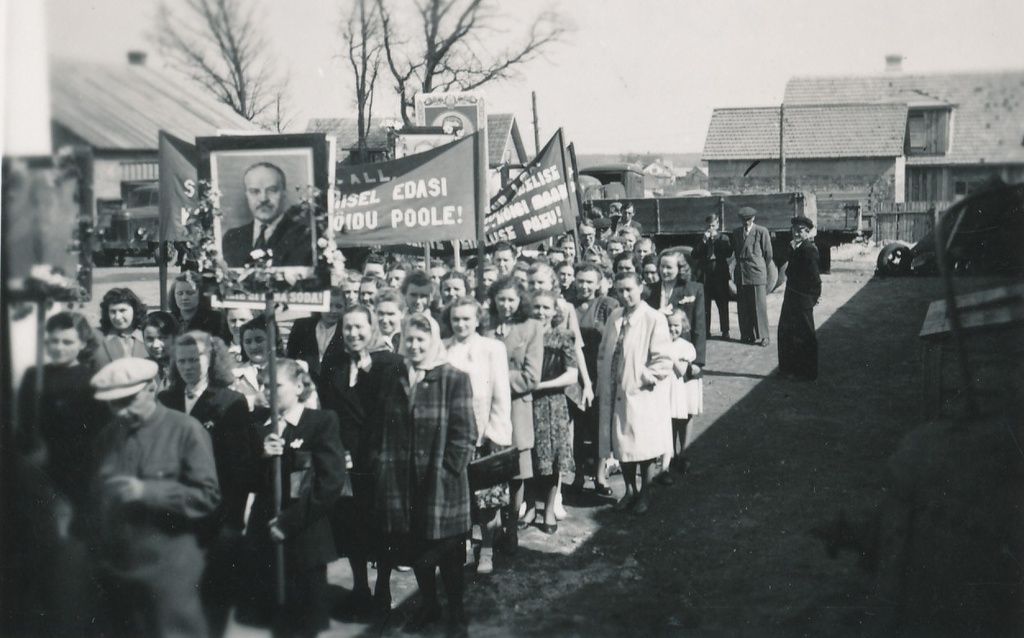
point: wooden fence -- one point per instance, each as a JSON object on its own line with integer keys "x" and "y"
{"x": 908, "y": 222}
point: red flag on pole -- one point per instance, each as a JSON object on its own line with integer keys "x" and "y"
{"x": 179, "y": 189}
{"x": 538, "y": 203}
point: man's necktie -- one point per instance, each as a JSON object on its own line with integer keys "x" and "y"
{"x": 261, "y": 241}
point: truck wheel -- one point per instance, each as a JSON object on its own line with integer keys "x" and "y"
{"x": 102, "y": 259}
{"x": 895, "y": 259}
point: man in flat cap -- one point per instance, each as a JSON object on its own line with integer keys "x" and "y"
{"x": 752, "y": 245}
{"x": 155, "y": 482}
{"x": 798, "y": 343}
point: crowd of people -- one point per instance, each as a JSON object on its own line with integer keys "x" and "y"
{"x": 156, "y": 431}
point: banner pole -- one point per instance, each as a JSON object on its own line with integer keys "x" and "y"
{"x": 457, "y": 255}
{"x": 275, "y": 423}
{"x": 482, "y": 206}
{"x": 162, "y": 274}
{"x": 579, "y": 200}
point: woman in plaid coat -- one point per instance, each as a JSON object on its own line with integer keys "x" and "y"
{"x": 422, "y": 498}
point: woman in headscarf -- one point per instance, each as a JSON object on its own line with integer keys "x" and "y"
{"x": 422, "y": 499}
{"x": 352, "y": 380}
{"x": 486, "y": 362}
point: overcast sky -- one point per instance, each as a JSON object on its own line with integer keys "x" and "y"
{"x": 637, "y": 75}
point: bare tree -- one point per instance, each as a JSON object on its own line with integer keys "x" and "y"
{"x": 363, "y": 37}
{"x": 219, "y": 44}
{"x": 452, "y": 48}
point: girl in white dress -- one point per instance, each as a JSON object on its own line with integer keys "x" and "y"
{"x": 685, "y": 393}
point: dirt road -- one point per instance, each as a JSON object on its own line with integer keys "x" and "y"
{"x": 727, "y": 550}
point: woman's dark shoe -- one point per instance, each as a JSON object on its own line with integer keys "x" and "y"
{"x": 602, "y": 490}
{"x": 458, "y": 625}
{"x": 680, "y": 465}
{"x": 381, "y": 605}
{"x": 511, "y": 543}
{"x": 643, "y": 503}
{"x": 665, "y": 479}
{"x": 423, "y": 619}
{"x": 625, "y": 502}
{"x": 548, "y": 529}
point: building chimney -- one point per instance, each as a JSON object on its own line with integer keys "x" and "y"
{"x": 137, "y": 58}
{"x": 894, "y": 63}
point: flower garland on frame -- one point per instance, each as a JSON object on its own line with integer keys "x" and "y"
{"x": 258, "y": 275}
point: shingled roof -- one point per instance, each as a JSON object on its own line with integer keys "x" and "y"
{"x": 346, "y": 130}
{"x": 988, "y": 108}
{"x": 812, "y": 131}
{"x": 499, "y": 127}
{"x": 123, "y": 107}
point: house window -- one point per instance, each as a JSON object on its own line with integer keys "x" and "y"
{"x": 927, "y": 132}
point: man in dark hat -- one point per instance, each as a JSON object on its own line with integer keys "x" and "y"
{"x": 712, "y": 254}
{"x": 798, "y": 343}
{"x": 155, "y": 481}
{"x": 752, "y": 245}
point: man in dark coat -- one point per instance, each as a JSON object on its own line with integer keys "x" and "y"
{"x": 798, "y": 343}
{"x": 155, "y": 482}
{"x": 752, "y": 245}
{"x": 289, "y": 239}
{"x": 224, "y": 414}
{"x": 712, "y": 256}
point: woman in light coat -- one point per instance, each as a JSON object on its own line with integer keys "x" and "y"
{"x": 485, "y": 360}
{"x": 634, "y": 402}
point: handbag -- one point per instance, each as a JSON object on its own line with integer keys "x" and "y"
{"x": 493, "y": 469}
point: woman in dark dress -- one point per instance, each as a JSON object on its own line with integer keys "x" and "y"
{"x": 678, "y": 290}
{"x": 552, "y": 450}
{"x": 308, "y": 443}
{"x": 192, "y": 309}
{"x": 68, "y": 416}
{"x": 352, "y": 389}
{"x": 200, "y": 378}
{"x": 158, "y": 332}
{"x": 422, "y": 499}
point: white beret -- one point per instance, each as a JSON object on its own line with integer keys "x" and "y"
{"x": 123, "y": 378}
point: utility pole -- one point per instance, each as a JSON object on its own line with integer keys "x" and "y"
{"x": 782, "y": 148}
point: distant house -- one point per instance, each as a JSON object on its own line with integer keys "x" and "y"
{"x": 658, "y": 175}
{"x": 505, "y": 144}
{"x": 689, "y": 178}
{"x": 882, "y": 139}
{"x": 346, "y": 131}
{"x": 961, "y": 130}
{"x": 849, "y": 149}
{"x": 117, "y": 112}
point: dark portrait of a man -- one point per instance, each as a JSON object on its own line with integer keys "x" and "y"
{"x": 273, "y": 228}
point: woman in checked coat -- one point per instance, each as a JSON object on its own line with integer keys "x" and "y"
{"x": 422, "y": 497}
